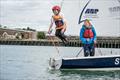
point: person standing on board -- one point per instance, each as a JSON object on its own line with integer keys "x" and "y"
{"x": 60, "y": 23}
{"x": 88, "y": 38}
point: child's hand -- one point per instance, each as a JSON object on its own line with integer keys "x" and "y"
{"x": 62, "y": 31}
{"x": 87, "y": 39}
{"x": 95, "y": 42}
{"x": 50, "y": 31}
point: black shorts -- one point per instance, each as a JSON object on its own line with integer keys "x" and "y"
{"x": 59, "y": 34}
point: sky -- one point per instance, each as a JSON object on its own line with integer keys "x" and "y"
{"x": 36, "y": 14}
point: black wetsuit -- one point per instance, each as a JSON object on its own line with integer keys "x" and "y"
{"x": 61, "y": 35}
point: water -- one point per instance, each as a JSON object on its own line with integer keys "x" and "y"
{"x": 31, "y": 63}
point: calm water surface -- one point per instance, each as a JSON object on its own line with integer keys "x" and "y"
{"x": 31, "y": 63}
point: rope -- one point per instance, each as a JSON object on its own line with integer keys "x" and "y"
{"x": 54, "y": 44}
{"x": 61, "y": 4}
{"x": 79, "y": 52}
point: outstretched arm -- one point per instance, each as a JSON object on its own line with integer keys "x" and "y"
{"x": 51, "y": 24}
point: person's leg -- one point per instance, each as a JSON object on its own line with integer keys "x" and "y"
{"x": 58, "y": 34}
{"x": 63, "y": 37}
{"x": 86, "y": 50}
{"x": 92, "y": 50}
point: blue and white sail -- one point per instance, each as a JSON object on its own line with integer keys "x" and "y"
{"x": 104, "y": 15}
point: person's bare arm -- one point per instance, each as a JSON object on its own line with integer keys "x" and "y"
{"x": 51, "y": 24}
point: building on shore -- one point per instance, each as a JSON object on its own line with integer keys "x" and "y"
{"x": 12, "y": 34}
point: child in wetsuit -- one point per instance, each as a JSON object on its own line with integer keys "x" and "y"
{"x": 60, "y": 23}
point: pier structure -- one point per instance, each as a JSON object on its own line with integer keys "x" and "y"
{"x": 102, "y": 42}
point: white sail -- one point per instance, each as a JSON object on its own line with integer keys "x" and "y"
{"x": 104, "y": 15}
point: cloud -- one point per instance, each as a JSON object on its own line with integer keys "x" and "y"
{"x": 25, "y": 11}
{"x": 37, "y": 13}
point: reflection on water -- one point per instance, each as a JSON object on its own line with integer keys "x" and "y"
{"x": 31, "y": 63}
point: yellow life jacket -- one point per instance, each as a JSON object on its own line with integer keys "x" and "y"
{"x": 58, "y": 21}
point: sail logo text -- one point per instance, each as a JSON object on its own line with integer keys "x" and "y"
{"x": 117, "y": 61}
{"x": 91, "y": 11}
